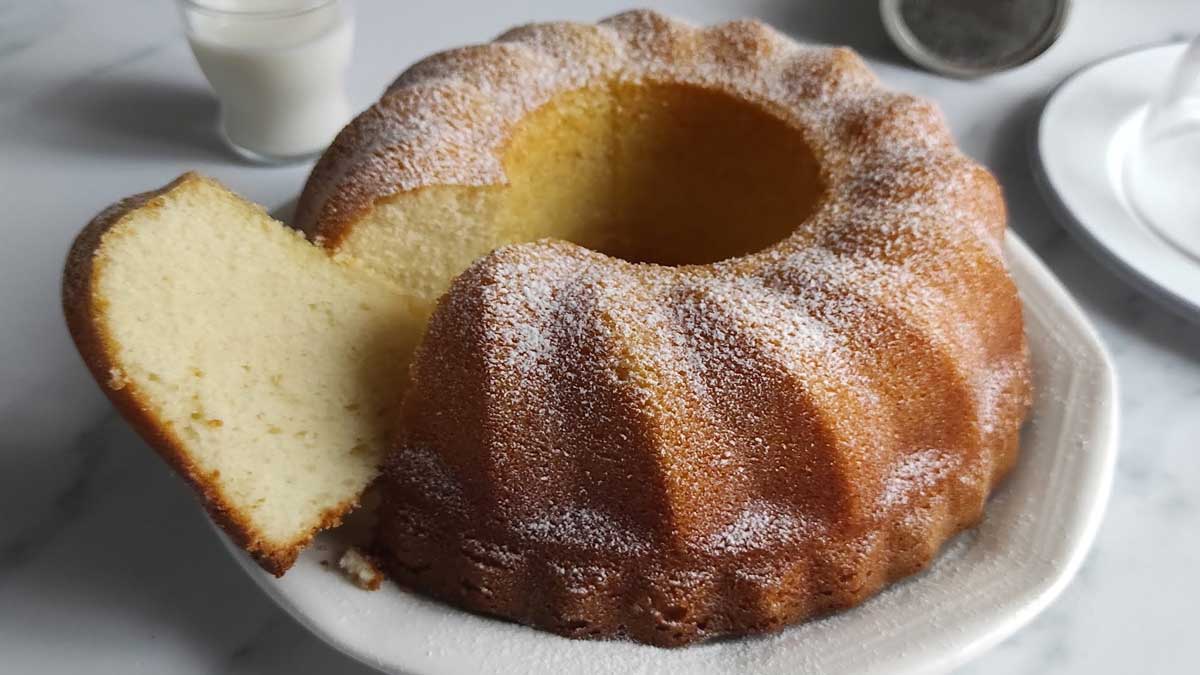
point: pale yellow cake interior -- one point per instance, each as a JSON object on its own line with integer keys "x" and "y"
{"x": 663, "y": 173}
{"x": 275, "y": 368}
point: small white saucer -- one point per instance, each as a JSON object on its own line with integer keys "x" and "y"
{"x": 1086, "y": 130}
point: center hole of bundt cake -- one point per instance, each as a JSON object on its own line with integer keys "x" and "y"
{"x": 662, "y": 173}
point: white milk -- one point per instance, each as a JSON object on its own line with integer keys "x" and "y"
{"x": 279, "y": 78}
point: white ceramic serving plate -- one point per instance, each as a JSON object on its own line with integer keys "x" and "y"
{"x": 987, "y": 584}
{"x": 1083, "y": 137}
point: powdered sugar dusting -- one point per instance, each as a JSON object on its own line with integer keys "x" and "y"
{"x": 581, "y": 579}
{"x": 742, "y": 410}
{"x": 914, "y": 474}
{"x": 445, "y": 120}
{"x": 759, "y": 525}
{"x": 578, "y": 526}
{"x": 993, "y": 385}
{"x": 436, "y": 482}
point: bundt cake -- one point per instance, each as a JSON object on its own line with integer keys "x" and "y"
{"x": 769, "y": 360}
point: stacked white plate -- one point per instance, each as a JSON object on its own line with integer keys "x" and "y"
{"x": 1085, "y": 135}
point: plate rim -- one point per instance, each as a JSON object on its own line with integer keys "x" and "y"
{"x": 1032, "y": 278}
{"x": 1051, "y": 189}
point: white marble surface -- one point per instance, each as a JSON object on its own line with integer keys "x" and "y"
{"x": 106, "y": 564}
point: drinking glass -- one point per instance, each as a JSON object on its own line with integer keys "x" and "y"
{"x": 277, "y": 67}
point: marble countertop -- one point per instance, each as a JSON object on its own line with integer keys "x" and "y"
{"x": 106, "y": 563}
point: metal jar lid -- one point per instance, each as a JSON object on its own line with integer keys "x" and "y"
{"x": 972, "y": 38}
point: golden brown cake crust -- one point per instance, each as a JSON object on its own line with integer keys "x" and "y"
{"x": 447, "y": 119}
{"x": 86, "y": 325}
{"x": 868, "y": 375}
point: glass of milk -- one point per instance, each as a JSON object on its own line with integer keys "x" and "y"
{"x": 278, "y": 69}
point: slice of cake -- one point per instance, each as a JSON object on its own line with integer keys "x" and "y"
{"x": 259, "y": 367}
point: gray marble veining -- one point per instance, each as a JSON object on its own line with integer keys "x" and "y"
{"x": 108, "y": 566}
